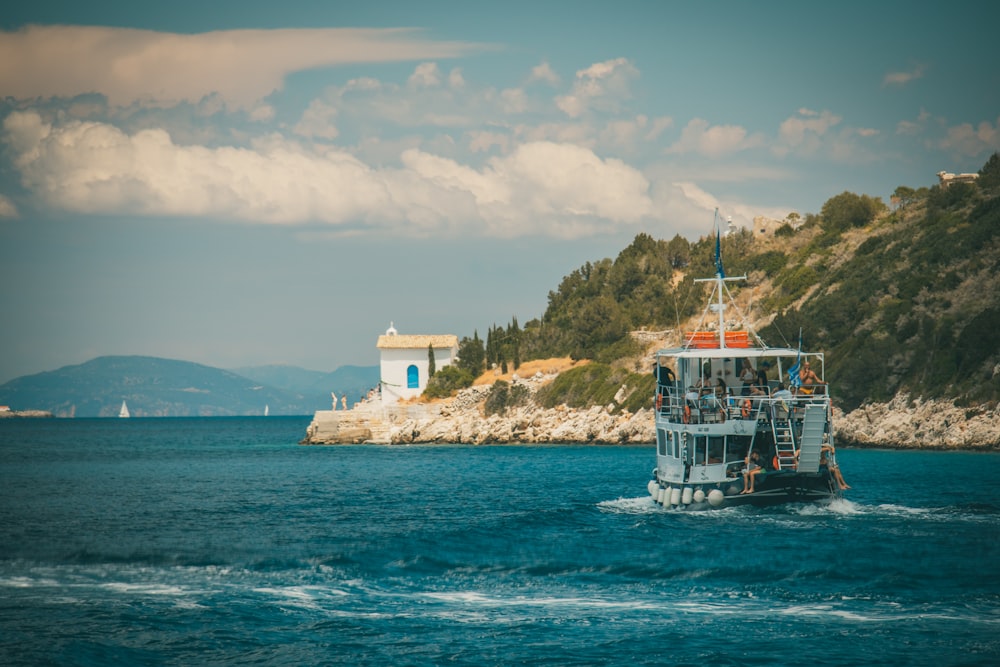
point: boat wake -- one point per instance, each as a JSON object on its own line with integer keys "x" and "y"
{"x": 640, "y": 505}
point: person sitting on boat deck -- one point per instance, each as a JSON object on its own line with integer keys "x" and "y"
{"x": 810, "y": 381}
{"x": 747, "y": 376}
{"x": 754, "y": 467}
{"x": 782, "y": 393}
{"x": 828, "y": 458}
{"x": 720, "y": 388}
{"x": 704, "y": 385}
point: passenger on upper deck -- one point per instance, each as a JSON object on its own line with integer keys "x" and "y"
{"x": 720, "y": 388}
{"x": 664, "y": 374}
{"x": 782, "y": 393}
{"x": 747, "y": 377}
{"x": 810, "y": 381}
{"x": 704, "y": 385}
{"x": 762, "y": 376}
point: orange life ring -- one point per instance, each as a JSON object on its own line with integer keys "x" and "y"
{"x": 687, "y": 414}
{"x": 747, "y": 408}
{"x": 659, "y": 401}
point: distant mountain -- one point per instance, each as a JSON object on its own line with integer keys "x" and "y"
{"x": 155, "y": 387}
{"x": 355, "y": 381}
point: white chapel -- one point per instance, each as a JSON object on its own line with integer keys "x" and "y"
{"x": 404, "y": 361}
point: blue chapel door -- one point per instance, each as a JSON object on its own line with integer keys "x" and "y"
{"x": 412, "y": 377}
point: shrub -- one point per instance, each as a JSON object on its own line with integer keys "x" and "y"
{"x": 503, "y": 396}
{"x": 447, "y": 381}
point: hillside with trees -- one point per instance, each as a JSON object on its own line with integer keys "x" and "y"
{"x": 903, "y": 300}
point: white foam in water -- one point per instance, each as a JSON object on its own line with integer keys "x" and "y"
{"x": 639, "y": 505}
{"x": 902, "y": 510}
{"x": 144, "y": 589}
{"x": 304, "y": 597}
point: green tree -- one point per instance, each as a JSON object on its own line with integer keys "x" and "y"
{"x": 904, "y": 195}
{"x": 431, "y": 367}
{"x": 679, "y": 252}
{"x": 848, "y": 210}
{"x": 989, "y": 175}
{"x": 471, "y": 355}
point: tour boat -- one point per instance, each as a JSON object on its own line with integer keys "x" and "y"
{"x": 740, "y": 442}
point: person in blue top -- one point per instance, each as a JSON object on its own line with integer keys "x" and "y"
{"x": 782, "y": 393}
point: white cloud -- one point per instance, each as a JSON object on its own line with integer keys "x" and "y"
{"x": 514, "y": 100}
{"x": 317, "y": 121}
{"x": 803, "y": 133}
{"x": 157, "y": 68}
{"x": 539, "y": 188}
{"x": 698, "y": 136}
{"x": 262, "y": 113}
{"x": 480, "y": 142}
{"x": 426, "y": 75}
{"x": 965, "y": 140}
{"x": 699, "y": 205}
{"x": 580, "y": 134}
{"x": 602, "y": 86}
{"x": 903, "y": 78}
{"x": 7, "y": 208}
{"x": 455, "y": 78}
{"x": 544, "y": 73}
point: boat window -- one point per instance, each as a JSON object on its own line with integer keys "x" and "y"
{"x": 716, "y": 446}
{"x": 663, "y": 439}
{"x": 677, "y": 445}
{"x": 737, "y": 447}
{"x": 412, "y": 377}
{"x": 700, "y": 449}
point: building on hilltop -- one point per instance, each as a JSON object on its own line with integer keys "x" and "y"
{"x": 404, "y": 361}
{"x": 947, "y": 179}
{"x": 764, "y": 227}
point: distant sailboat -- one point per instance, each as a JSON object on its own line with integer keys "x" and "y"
{"x": 124, "y": 411}
{"x": 267, "y": 409}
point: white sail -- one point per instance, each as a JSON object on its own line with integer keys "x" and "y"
{"x": 124, "y": 411}
{"x": 267, "y": 409}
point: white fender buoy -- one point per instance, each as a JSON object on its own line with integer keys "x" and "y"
{"x": 675, "y": 496}
{"x": 699, "y": 496}
{"x": 716, "y": 497}
{"x": 653, "y": 488}
{"x": 688, "y": 495}
{"x": 658, "y": 496}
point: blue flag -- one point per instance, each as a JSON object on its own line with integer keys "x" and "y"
{"x": 718, "y": 253}
{"x": 793, "y": 373}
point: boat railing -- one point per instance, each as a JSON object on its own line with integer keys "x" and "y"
{"x": 686, "y": 405}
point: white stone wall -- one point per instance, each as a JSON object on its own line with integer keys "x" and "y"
{"x": 394, "y": 363}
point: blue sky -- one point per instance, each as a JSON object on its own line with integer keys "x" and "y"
{"x": 256, "y": 182}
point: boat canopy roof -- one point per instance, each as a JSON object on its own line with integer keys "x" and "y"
{"x": 733, "y": 352}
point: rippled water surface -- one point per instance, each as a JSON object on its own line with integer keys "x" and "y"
{"x": 193, "y": 541}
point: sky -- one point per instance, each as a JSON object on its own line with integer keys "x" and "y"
{"x": 250, "y": 183}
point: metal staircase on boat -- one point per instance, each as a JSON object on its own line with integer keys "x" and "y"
{"x": 784, "y": 439}
{"x": 811, "y": 442}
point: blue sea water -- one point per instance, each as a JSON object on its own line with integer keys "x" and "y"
{"x": 222, "y": 541}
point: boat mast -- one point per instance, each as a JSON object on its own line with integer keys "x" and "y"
{"x": 720, "y": 282}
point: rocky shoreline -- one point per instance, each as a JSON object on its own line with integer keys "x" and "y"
{"x": 905, "y": 423}
{"x": 901, "y": 423}
{"x": 31, "y": 414}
